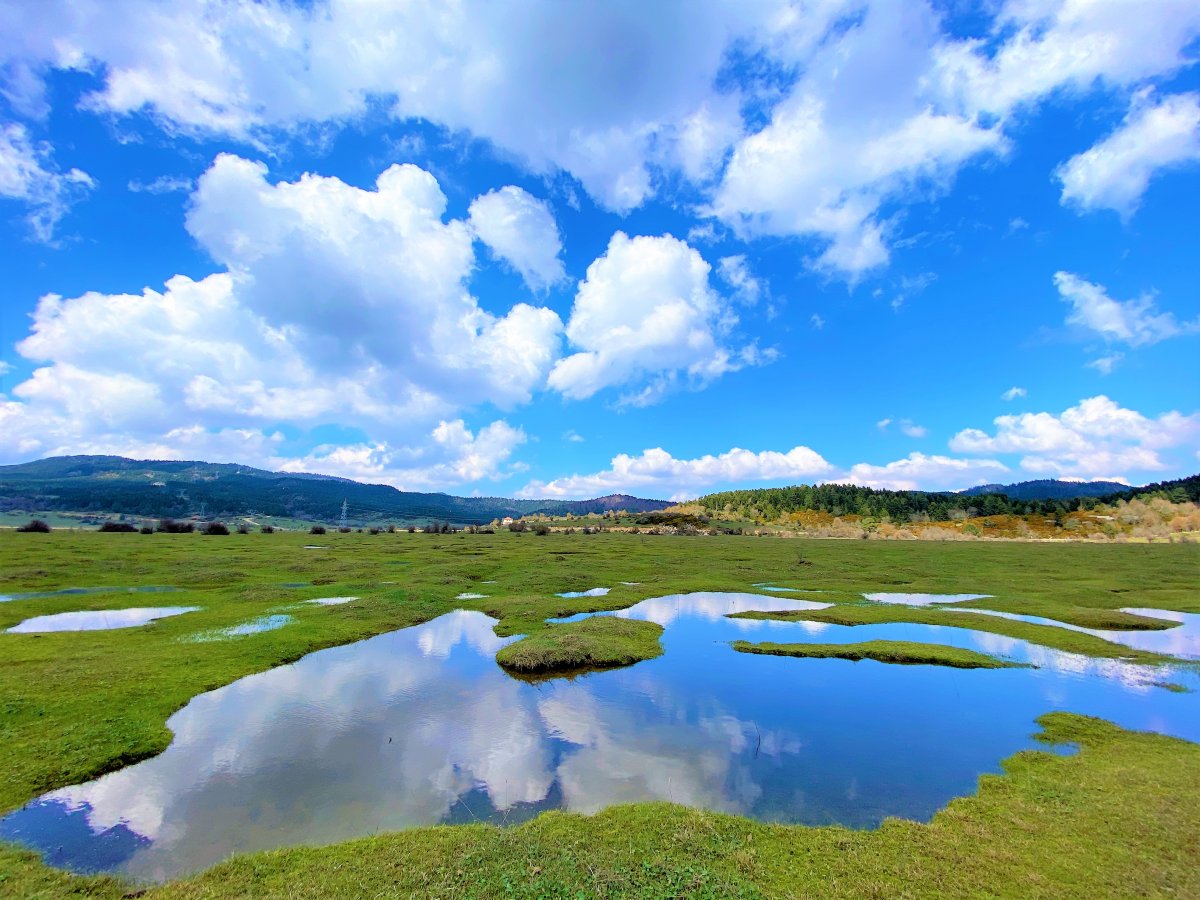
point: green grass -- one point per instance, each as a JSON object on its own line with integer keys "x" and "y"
{"x": 888, "y": 613}
{"x": 592, "y": 643}
{"x": 901, "y": 652}
{"x": 1120, "y": 818}
{"x": 76, "y": 705}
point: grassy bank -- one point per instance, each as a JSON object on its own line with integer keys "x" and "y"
{"x": 592, "y": 643}
{"x": 883, "y": 613}
{"x": 900, "y": 652}
{"x": 1120, "y": 818}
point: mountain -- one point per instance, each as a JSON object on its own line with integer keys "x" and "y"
{"x": 155, "y": 489}
{"x": 1049, "y": 489}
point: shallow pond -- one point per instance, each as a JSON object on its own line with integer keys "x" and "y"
{"x": 99, "y": 620}
{"x": 922, "y": 599}
{"x": 421, "y": 726}
{"x": 254, "y": 626}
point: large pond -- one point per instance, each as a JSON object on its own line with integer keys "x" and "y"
{"x": 421, "y": 726}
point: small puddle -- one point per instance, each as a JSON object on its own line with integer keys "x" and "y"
{"x": 331, "y": 601}
{"x": 922, "y": 599}
{"x": 421, "y": 726}
{"x": 469, "y": 596}
{"x": 99, "y": 620}
{"x": 593, "y": 592}
{"x": 254, "y": 626}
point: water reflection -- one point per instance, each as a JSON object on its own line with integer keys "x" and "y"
{"x": 593, "y": 592}
{"x": 1182, "y": 641}
{"x": 254, "y": 626}
{"x": 922, "y": 599}
{"x": 99, "y": 620}
{"x": 421, "y": 726}
{"x": 72, "y": 591}
{"x": 331, "y": 601}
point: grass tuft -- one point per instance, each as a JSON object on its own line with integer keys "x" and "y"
{"x": 899, "y": 652}
{"x": 592, "y": 643}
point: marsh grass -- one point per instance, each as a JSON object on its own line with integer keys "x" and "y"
{"x": 593, "y": 643}
{"x": 900, "y": 652}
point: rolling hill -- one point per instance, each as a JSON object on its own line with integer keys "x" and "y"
{"x": 105, "y": 485}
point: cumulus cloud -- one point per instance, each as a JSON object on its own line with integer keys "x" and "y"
{"x": 520, "y": 229}
{"x": 338, "y": 304}
{"x": 1092, "y": 439}
{"x": 735, "y": 272}
{"x": 646, "y": 317}
{"x": 28, "y": 174}
{"x": 656, "y": 470}
{"x": 868, "y": 102}
{"x": 454, "y": 456}
{"x": 920, "y": 472}
{"x": 1013, "y": 393}
{"x": 1133, "y": 322}
{"x": 1115, "y": 173}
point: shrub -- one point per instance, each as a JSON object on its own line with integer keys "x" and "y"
{"x": 518, "y": 527}
{"x": 412, "y": 529}
{"x": 372, "y": 530}
{"x": 391, "y": 529}
{"x": 170, "y": 526}
{"x": 37, "y": 526}
{"x": 243, "y": 528}
{"x": 317, "y": 529}
{"x": 117, "y": 528}
{"x": 215, "y": 528}
{"x": 345, "y": 529}
{"x": 267, "y": 529}
{"x": 146, "y": 529}
{"x": 541, "y": 528}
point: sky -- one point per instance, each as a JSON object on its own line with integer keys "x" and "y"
{"x": 573, "y": 249}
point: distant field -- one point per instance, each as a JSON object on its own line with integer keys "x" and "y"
{"x": 75, "y": 709}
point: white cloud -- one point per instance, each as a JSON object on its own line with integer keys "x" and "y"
{"x": 28, "y": 174}
{"x": 883, "y": 424}
{"x": 1105, "y": 364}
{"x": 1092, "y": 439}
{"x": 339, "y": 305}
{"x": 163, "y": 184}
{"x": 816, "y": 321}
{"x": 912, "y": 429}
{"x": 520, "y": 229}
{"x": 735, "y": 272}
{"x": 656, "y": 470}
{"x": 1115, "y": 173}
{"x": 920, "y": 472}
{"x": 1133, "y": 322}
{"x": 644, "y": 318}
{"x": 572, "y": 436}
{"x": 1013, "y": 393}
{"x": 454, "y": 456}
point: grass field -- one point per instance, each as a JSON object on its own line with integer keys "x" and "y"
{"x": 73, "y": 709}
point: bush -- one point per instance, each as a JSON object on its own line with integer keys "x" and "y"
{"x": 391, "y": 529}
{"x": 317, "y": 529}
{"x": 117, "y": 528}
{"x": 412, "y": 529}
{"x": 541, "y": 528}
{"x": 372, "y": 530}
{"x": 170, "y": 526}
{"x": 146, "y": 529}
{"x": 243, "y": 528}
{"x": 267, "y": 529}
{"x": 215, "y": 528}
{"x": 518, "y": 527}
{"x": 37, "y": 526}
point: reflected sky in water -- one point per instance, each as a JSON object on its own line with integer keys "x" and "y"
{"x": 421, "y": 726}
{"x": 1182, "y": 640}
{"x": 98, "y": 620}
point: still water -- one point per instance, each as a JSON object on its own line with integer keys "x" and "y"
{"x": 420, "y": 726}
{"x": 99, "y": 620}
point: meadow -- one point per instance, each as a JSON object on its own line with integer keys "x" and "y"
{"x": 1120, "y": 816}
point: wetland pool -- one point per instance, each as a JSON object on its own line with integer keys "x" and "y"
{"x": 421, "y": 726}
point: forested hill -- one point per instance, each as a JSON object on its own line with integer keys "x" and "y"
{"x": 115, "y": 485}
{"x": 845, "y": 499}
{"x": 1049, "y": 489}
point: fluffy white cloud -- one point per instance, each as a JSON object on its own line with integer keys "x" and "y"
{"x": 338, "y": 305}
{"x": 735, "y": 272}
{"x": 930, "y": 473}
{"x": 645, "y": 317}
{"x": 520, "y": 229}
{"x": 1096, "y": 438}
{"x": 907, "y": 426}
{"x": 657, "y": 470}
{"x": 1115, "y": 173}
{"x": 28, "y": 174}
{"x": 1014, "y": 393}
{"x": 1134, "y": 322}
{"x": 454, "y": 456}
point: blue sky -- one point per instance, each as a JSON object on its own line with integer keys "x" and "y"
{"x": 566, "y": 250}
